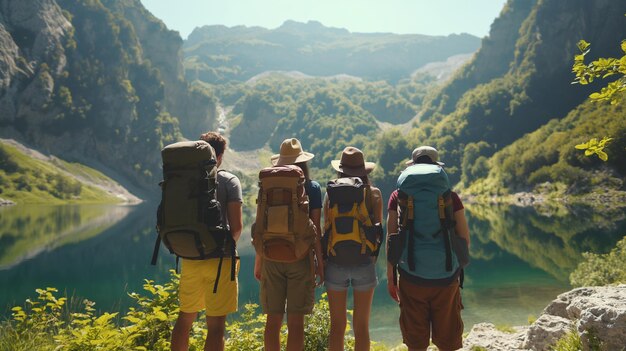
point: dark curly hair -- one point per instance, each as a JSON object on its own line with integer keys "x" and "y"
{"x": 216, "y": 140}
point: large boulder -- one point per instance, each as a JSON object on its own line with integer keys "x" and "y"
{"x": 597, "y": 314}
{"x": 488, "y": 337}
{"x": 546, "y": 331}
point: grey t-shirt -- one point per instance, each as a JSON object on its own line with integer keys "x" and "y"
{"x": 228, "y": 190}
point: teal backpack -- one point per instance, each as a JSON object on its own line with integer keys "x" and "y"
{"x": 427, "y": 246}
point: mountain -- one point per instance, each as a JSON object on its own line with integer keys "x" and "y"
{"x": 325, "y": 114}
{"x": 519, "y": 80}
{"x": 97, "y": 82}
{"x": 218, "y": 54}
{"x": 106, "y": 84}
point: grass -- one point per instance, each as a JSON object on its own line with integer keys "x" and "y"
{"x": 27, "y": 180}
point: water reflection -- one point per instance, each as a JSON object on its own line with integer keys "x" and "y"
{"x": 26, "y": 231}
{"x": 552, "y": 241}
{"x": 521, "y": 258}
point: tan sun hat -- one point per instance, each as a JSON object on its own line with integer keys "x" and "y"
{"x": 352, "y": 163}
{"x": 290, "y": 153}
{"x": 429, "y": 151}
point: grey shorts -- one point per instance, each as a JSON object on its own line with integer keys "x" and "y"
{"x": 339, "y": 278}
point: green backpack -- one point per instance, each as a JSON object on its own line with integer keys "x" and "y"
{"x": 189, "y": 219}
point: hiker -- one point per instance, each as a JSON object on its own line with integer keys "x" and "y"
{"x": 198, "y": 277}
{"x": 286, "y": 239}
{"x": 428, "y": 243}
{"x": 353, "y": 211}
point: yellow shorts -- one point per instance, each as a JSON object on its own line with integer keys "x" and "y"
{"x": 197, "y": 278}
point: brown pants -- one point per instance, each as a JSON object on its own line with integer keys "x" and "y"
{"x": 425, "y": 309}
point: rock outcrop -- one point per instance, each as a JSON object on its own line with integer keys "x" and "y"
{"x": 597, "y": 314}
{"x": 96, "y": 82}
{"x": 487, "y": 336}
{"x": 5, "y": 202}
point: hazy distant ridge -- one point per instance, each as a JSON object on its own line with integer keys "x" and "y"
{"x": 217, "y": 53}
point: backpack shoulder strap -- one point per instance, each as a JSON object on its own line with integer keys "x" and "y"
{"x": 447, "y": 224}
{"x": 368, "y": 202}
{"x": 410, "y": 217}
{"x": 448, "y": 209}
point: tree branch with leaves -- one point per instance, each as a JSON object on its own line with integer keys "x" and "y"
{"x": 613, "y": 92}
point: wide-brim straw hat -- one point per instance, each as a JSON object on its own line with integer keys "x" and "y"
{"x": 291, "y": 152}
{"x": 353, "y": 163}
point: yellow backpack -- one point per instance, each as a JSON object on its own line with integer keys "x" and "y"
{"x": 351, "y": 234}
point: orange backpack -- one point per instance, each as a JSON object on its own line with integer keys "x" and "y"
{"x": 283, "y": 231}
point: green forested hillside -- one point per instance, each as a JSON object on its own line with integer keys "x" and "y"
{"x": 548, "y": 155}
{"x": 491, "y": 61}
{"x": 326, "y": 114}
{"x": 483, "y": 109}
{"x": 25, "y": 179}
{"x": 219, "y": 54}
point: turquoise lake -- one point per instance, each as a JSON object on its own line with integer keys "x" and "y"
{"x": 521, "y": 258}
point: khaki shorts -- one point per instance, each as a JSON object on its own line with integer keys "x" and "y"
{"x": 292, "y": 284}
{"x": 197, "y": 278}
{"x": 426, "y": 309}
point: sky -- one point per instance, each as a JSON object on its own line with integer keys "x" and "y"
{"x": 430, "y": 17}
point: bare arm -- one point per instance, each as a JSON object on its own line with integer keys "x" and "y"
{"x": 392, "y": 228}
{"x": 392, "y": 222}
{"x": 378, "y": 207}
{"x": 258, "y": 264}
{"x": 461, "y": 228}
{"x": 315, "y": 216}
{"x": 235, "y": 219}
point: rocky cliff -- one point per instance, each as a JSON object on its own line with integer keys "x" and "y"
{"x": 99, "y": 82}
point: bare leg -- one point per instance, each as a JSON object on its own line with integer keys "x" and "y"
{"x": 272, "y": 331}
{"x": 338, "y": 319}
{"x": 215, "y": 333}
{"x": 180, "y": 334}
{"x": 295, "y": 331}
{"x": 361, "y": 319}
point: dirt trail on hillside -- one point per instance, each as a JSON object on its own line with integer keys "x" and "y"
{"x": 247, "y": 162}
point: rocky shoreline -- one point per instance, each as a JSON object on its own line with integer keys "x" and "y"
{"x": 613, "y": 198}
{"x": 597, "y": 314}
{"x": 5, "y": 202}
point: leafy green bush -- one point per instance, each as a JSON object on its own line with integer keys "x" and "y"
{"x": 602, "y": 269}
{"x": 7, "y": 162}
{"x": 52, "y": 323}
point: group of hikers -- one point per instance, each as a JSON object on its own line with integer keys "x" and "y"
{"x": 200, "y": 220}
